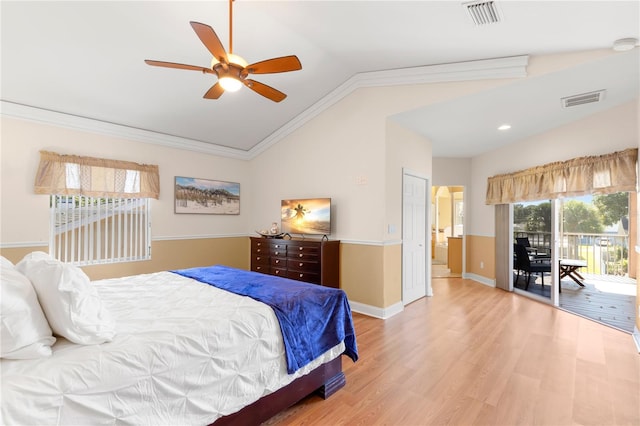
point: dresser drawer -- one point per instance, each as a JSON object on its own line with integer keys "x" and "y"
{"x": 259, "y": 244}
{"x": 279, "y": 246}
{"x": 279, "y": 262}
{"x": 299, "y": 248}
{"x": 259, "y": 259}
{"x": 309, "y": 277}
{"x": 281, "y": 272}
{"x": 265, "y": 269}
{"x": 279, "y": 252}
{"x": 303, "y": 256}
{"x": 303, "y": 266}
{"x": 260, "y": 249}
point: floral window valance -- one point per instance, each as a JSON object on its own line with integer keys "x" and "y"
{"x": 95, "y": 177}
{"x": 604, "y": 174}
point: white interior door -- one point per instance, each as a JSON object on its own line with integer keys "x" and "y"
{"x": 414, "y": 237}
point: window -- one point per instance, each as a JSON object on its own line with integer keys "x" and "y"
{"x": 100, "y": 209}
{"x": 90, "y": 230}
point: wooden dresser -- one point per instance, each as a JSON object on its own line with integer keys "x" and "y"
{"x": 312, "y": 261}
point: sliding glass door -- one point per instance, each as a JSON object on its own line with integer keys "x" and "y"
{"x": 532, "y": 248}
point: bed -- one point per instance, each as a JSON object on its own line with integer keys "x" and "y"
{"x": 185, "y": 351}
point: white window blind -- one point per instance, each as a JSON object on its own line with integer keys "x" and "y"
{"x": 92, "y": 230}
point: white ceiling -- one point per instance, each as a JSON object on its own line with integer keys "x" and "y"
{"x": 85, "y": 59}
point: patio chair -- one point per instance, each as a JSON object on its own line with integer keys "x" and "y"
{"x": 535, "y": 252}
{"x": 523, "y": 263}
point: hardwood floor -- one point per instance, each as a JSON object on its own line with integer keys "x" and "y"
{"x": 475, "y": 355}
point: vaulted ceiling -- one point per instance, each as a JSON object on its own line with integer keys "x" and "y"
{"x": 84, "y": 59}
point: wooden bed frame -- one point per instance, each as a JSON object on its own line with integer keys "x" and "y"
{"x": 324, "y": 380}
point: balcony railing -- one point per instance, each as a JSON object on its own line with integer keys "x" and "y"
{"x": 606, "y": 254}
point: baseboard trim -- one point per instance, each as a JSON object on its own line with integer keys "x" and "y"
{"x": 636, "y": 337}
{"x": 374, "y": 311}
{"x": 479, "y": 278}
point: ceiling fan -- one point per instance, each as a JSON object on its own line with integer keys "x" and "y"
{"x": 232, "y": 71}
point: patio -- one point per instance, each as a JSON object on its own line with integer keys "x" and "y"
{"x": 608, "y": 299}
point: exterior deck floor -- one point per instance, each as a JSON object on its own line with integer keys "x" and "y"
{"x": 608, "y": 299}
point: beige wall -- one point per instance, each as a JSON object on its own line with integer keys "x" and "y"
{"x": 166, "y": 255}
{"x": 451, "y": 171}
{"x": 351, "y": 152}
{"x": 481, "y": 258}
{"x": 177, "y": 240}
{"x": 404, "y": 151}
{"x": 25, "y": 215}
{"x": 360, "y": 275}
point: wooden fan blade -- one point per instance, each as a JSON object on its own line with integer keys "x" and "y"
{"x": 281, "y": 64}
{"x": 264, "y": 90}
{"x": 178, "y": 66}
{"x": 214, "y": 92}
{"x": 210, "y": 39}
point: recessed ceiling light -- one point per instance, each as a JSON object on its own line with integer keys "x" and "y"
{"x": 504, "y": 127}
{"x": 624, "y": 44}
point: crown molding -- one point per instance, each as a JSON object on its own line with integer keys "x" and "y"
{"x": 510, "y": 67}
{"x": 74, "y": 122}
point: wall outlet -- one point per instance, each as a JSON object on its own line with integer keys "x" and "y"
{"x": 481, "y": 265}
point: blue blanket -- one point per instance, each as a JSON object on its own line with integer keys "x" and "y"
{"x": 313, "y": 319}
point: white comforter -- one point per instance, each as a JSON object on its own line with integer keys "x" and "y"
{"x": 184, "y": 353}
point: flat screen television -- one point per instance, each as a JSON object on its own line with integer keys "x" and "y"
{"x": 306, "y": 216}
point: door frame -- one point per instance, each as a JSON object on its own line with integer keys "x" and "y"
{"x": 554, "y": 299}
{"x": 427, "y": 231}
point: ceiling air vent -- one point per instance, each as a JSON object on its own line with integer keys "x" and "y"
{"x": 483, "y": 12}
{"x": 584, "y": 98}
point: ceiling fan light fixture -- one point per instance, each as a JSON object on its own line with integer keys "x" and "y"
{"x": 238, "y": 60}
{"x": 230, "y": 84}
{"x": 232, "y": 70}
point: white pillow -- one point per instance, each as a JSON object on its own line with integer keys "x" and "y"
{"x": 71, "y": 304}
{"x": 5, "y": 263}
{"x": 24, "y": 331}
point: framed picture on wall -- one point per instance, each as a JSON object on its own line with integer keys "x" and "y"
{"x": 204, "y": 196}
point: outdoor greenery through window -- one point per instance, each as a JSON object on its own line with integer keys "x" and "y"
{"x": 593, "y": 228}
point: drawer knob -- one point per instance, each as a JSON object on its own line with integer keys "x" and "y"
{"x": 277, "y": 272}
{"x": 258, "y": 268}
{"x": 300, "y": 255}
{"x": 300, "y": 264}
{"x": 300, "y": 248}
{"x": 258, "y": 250}
{"x": 258, "y": 258}
{"x": 277, "y": 253}
{"x": 301, "y": 275}
{"x": 277, "y": 260}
